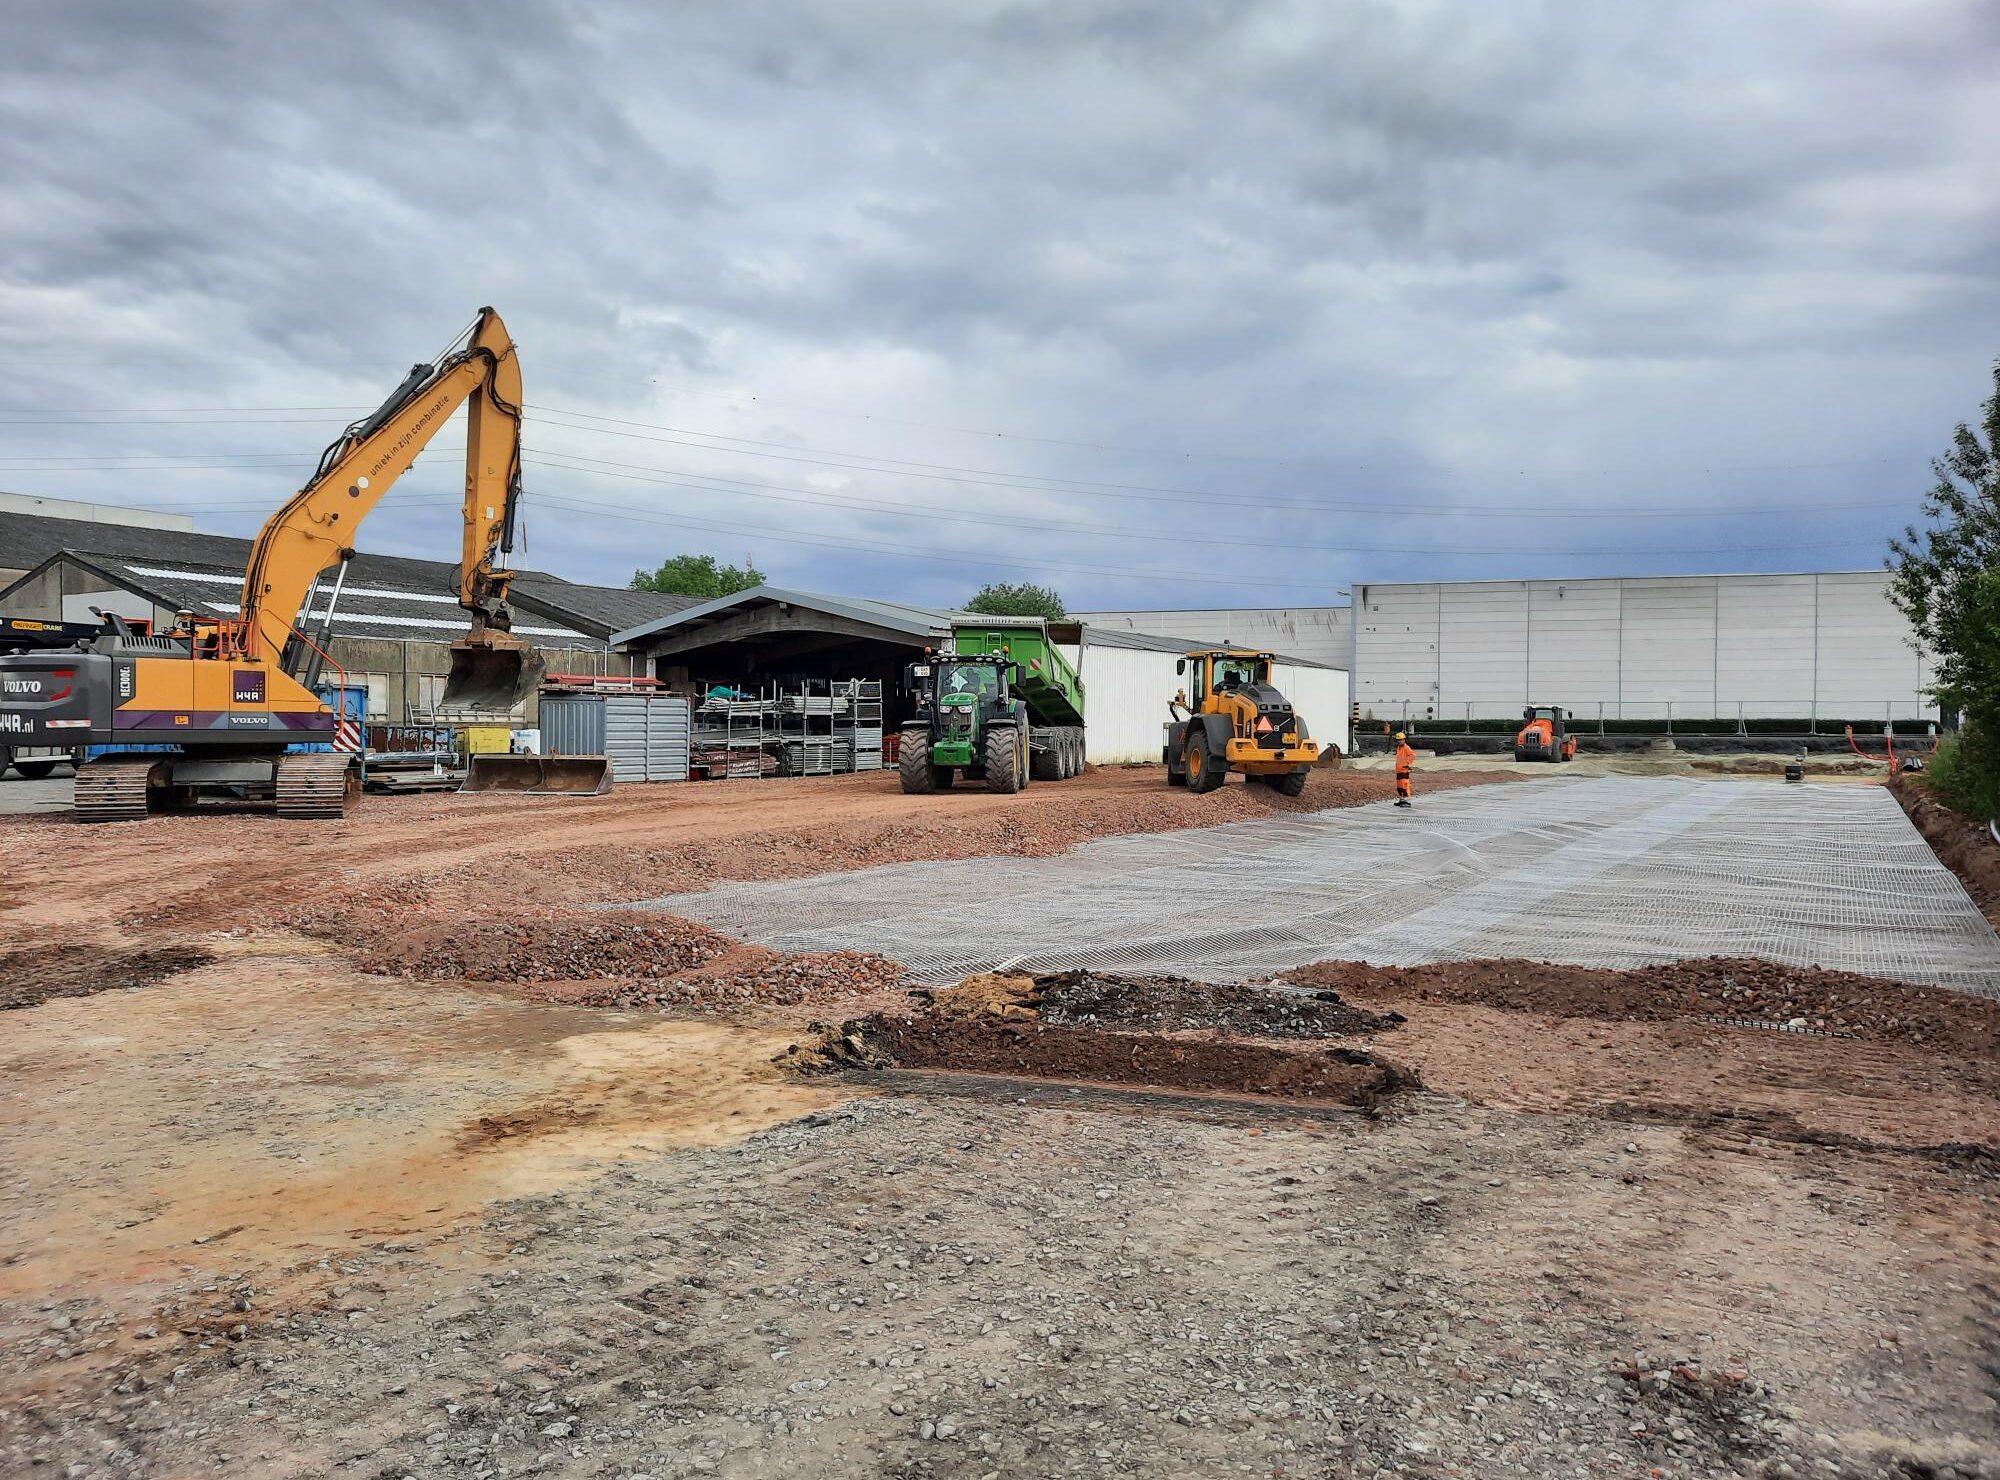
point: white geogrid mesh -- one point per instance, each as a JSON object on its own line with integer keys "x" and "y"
{"x": 1614, "y": 871}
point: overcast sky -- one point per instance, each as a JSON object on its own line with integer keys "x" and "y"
{"x": 1163, "y": 304}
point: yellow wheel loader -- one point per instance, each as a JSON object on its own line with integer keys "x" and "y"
{"x": 219, "y": 702}
{"x": 1236, "y": 720}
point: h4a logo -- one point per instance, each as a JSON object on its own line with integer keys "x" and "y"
{"x": 246, "y": 686}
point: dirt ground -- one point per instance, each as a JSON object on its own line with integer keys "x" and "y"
{"x": 1966, "y": 847}
{"x": 343, "y": 1189}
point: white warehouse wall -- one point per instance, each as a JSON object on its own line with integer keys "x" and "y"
{"x": 1318, "y": 634}
{"x": 1767, "y": 646}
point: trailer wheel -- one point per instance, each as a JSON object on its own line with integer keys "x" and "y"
{"x": 1005, "y": 757}
{"x": 1046, "y": 763}
{"x": 913, "y": 760}
{"x": 1076, "y": 752}
{"x": 35, "y": 770}
{"x": 1291, "y": 784}
{"x": 1206, "y": 771}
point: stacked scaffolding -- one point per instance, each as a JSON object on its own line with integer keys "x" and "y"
{"x": 805, "y": 727}
{"x": 730, "y": 736}
{"x": 864, "y": 696}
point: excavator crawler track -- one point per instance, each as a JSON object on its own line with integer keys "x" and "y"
{"x": 314, "y": 785}
{"x": 113, "y": 788}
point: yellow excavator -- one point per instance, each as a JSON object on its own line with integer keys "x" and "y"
{"x": 222, "y": 703}
{"x": 1236, "y": 721}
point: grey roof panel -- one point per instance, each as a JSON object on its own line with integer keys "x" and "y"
{"x": 897, "y": 616}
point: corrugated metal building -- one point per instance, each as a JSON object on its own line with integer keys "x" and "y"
{"x": 391, "y": 630}
{"x": 1318, "y": 634}
{"x": 1818, "y": 646}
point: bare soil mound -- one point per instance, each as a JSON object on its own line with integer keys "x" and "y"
{"x": 1713, "y": 987}
{"x": 988, "y": 1045}
{"x": 37, "y": 974}
{"x": 1961, "y": 844}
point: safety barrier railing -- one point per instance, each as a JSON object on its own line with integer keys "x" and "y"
{"x": 1807, "y": 717}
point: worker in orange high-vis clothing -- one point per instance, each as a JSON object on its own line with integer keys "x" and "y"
{"x": 1405, "y": 758}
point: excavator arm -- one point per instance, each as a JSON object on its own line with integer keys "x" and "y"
{"x": 315, "y": 529}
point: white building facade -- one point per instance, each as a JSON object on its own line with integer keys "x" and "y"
{"x": 1824, "y": 647}
{"x": 1319, "y": 634}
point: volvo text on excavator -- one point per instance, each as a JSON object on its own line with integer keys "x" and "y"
{"x": 221, "y": 702}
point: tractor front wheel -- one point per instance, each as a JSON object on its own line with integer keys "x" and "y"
{"x": 1206, "y": 771}
{"x": 1006, "y": 759}
{"x": 913, "y": 760}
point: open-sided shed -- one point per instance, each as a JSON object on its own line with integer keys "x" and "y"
{"x": 770, "y": 634}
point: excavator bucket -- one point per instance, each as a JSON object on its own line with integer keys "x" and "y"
{"x": 539, "y": 775}
{"x": 493, "y": 673}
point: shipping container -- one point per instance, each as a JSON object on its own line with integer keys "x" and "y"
{"x": 646, "y": 735}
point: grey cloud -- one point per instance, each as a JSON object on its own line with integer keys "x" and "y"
{"x": 1383, "y": 252}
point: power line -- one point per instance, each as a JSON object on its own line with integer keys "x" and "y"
{"x": 1025, "y": 482}
{"x": 1331, "y": 506}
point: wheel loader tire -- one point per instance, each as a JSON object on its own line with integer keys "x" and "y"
{"x": 1005, "y": 771}
{"x": 35, "y": 770}
{"x": 913, "y": 761}
{"x": 1205, "y": 770}
{"x": 1291, "y": 784}
{"x": 1046, "y": 764}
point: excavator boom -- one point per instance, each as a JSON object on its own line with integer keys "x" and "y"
{"x": 493, "y": 671}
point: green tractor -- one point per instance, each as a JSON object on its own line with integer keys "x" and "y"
{"x": 1002, "y": 705}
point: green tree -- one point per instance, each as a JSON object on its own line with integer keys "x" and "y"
{"x": 1946, "y": 580}
{"x": 1008, "y": 599}
{"x": 1964, "y": 533}
{"x": 1967, "y": 623}
{"x": 697, "y": 575}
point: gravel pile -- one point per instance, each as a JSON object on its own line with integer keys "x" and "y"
{"x": 1712, "y": 987}
{"x": 1172, "y": 1003}
{"x": 745, "y": 976}
{"x": 627, "y": 946}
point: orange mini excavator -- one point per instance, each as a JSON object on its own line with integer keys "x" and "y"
{"x": 220, "y": 702}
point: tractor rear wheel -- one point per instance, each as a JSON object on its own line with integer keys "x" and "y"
{"x": 1206, "y": 771}
{"x": 1288, "y": 785}
{"x": 913, "y": 761}
{"x": 1006, "y": 768}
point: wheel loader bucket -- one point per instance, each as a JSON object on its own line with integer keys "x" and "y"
{"x": 493, "y": 674}
{"x": 539, "y": 775}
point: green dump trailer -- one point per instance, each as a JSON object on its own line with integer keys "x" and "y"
{"x": 999, "y": 704}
